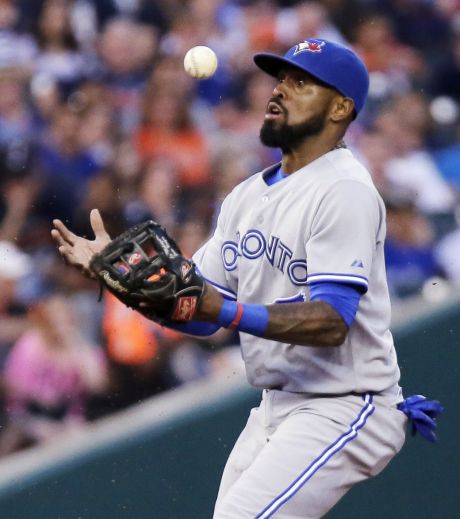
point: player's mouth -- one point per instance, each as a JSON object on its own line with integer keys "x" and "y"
{"x": 274, "y": 111}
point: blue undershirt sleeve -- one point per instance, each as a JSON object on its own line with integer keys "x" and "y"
{"x": 344, "y": 298}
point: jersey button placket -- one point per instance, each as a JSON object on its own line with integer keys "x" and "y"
{"x": 264, "y": 199}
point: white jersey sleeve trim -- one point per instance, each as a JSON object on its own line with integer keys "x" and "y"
{"x": 226, "y": 292}
{"x": 340, "y": 278}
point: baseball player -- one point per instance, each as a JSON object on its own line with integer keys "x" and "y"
{"x": 296, "y": 265}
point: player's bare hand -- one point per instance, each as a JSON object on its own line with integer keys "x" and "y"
{"x": 76, "y": 250}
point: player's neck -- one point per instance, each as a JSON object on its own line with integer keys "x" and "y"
{"x": 307, "y": 152}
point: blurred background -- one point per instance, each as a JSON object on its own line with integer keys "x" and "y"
{"x": 96, "y": 111}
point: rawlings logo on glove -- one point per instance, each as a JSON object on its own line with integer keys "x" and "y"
{"x": 145, "y": 269}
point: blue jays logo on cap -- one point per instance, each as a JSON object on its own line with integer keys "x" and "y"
{"x": 309, "y": 46}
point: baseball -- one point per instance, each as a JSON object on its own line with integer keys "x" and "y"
{"x": 200, "y": 62}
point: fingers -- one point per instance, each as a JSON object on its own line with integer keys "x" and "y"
{"x": 65, "y": 240}
{"x": 61, "y": 234}
{"x": 65, "y": 251}
{"x": 64, "y": 247}
{"x": 57, "y": 237}
{"x": 97, "y": 224}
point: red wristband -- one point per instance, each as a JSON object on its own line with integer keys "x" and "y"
{"x": 239, "y": 314}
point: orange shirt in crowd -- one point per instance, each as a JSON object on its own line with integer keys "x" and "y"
{"x": 131, "y": 338}
{"x": 186, "y": 149}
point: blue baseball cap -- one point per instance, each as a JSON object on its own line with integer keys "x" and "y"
{"x": 332, "y": 63}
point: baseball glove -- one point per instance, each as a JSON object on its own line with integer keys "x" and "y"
{"x": 145, "y": 269}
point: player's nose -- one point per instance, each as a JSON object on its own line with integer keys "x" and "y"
{"x": 280, "y": 90}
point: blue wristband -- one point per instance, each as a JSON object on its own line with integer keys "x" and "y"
{"x": 246, "y": 318}
{"x": 227, "y": 313}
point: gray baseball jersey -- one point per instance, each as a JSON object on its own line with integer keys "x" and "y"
{"x": 325, "y": 222}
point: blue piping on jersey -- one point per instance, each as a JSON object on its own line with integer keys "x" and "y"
{"x": 297, "y": 298}
{"x": 340, "y": 278}
{"x": 229, "y": 294}
{"x": 321, "y": 460}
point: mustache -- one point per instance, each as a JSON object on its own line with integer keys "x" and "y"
{"x": 278, "y": 103}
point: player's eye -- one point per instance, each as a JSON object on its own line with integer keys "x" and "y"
{"x": 299, "y": 83}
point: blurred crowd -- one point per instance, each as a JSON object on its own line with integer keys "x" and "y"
{"x": 97, "y": 112}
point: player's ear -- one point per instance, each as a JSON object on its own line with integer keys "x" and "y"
{"x": 342, "y": 109}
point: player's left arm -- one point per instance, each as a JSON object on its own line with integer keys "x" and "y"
{"x": 323, "y": 322}
{"x": 313, "y": 323}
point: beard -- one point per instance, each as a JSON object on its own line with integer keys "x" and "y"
{"x": 289, "y": 136}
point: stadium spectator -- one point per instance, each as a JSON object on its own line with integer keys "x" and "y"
{"x": 374, "y": 39}
{"x": 411, "y": 166}
{"x": 126, "y": 170}
{"x": 127, "y": 50}
{"x": 65, "y": 165}
{"x": 59, "y": 55}
{"x": 16, "y": 122}
{"x": 421, "y": 25}
{"x": 17, "y": 196}
{"x": 445, "y": 80}
{"x": 96, "y": 133}
{"x": 305, "y": 18}
{"x": 168, "y": 132}
{"x": 15, "y": 265}
{"x": 159, "y": 192}
{"x": 375, "y": 150}
{"x": 48, "y": 376}
{"x": 409, "y": 247}
{"x": 101, "y": 191}
{"x": 17, "y": 49}
{"x": 138, "y": 353}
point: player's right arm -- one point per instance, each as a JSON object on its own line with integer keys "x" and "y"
{"x": 312, "y": 323}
